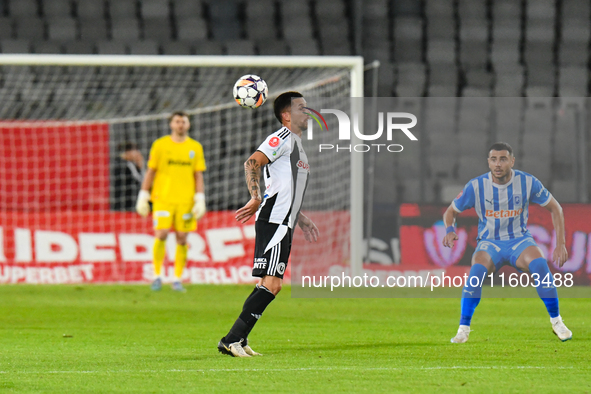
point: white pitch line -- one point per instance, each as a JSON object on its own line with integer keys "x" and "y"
{"x": 289, "y": 369}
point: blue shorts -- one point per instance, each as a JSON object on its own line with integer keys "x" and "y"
{"x": 505, "y": 252}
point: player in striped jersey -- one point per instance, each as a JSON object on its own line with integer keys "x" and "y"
{"x": 501, "y": 199}
{"x": 285, "y": 166}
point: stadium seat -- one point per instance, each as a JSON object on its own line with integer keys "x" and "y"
{"x": 15, "y": 46}
{"x": 111, "y": 48}
{"x": 92, "y": 30}
{"x": 408, "y": 40}
{"x": 145, "y": 47}
{"x": 470, "y": 167}
{"x": 564, "y": 191}
{"x": 190, "y": 29}
{"x": 337, "y": 49}
{"x": 375, "y": 30}
{"x": 507, "y": 31}
{"x": 479, "y": 78}
{"x": 176, "y": 48}
{"x": 49, "y": 47}
{"x": 335, "y": 32}
{"x": 157, "y": 29}
{"x": 293, "y": 10}
{"x": 300, "y": 48}
{"x": 410, "y": 80}
{"x": 6, "y": 28}
{"x": 440, "y": 28}
{"x": 540, "y": 31}
{"x": 443, "y": 9}
{"x": 23, "y": 9}
{"x": 240, "y": 47}
{"x": 330, "y": 10}
{"x": 575, "y": 9}
{"x": 443, "y": 75}
{"x": 205, "y": 47}
{"x": 57, "y": 8}
{"x": 441, "y": 51}
{"x": 154, "y": 9}
{"x": 538, "y": 167}
{"x": 261, "y": 10}
{"x": 505, "y": 53}
{"x": 575, "y": 30}
{"x": 90, "y": 9}
{"x": 474, "y": 117}
{"x": 472, "y": 10}
{"x": 187, "y": 9}
{"x": 125, "y": 30}
{"x": 63, "y": 29}
{"x": 262, "y": 31}
{"x": 299, "y": 28}
{"x": 568, "y": 120}
{"x": 79, "y": 47}
{"x": 271, "y": 47}
{"x": 573, "y": 81}
{"x": 509, "y": 81}
{"x": 30, "y": 28}
{"x": 474, "y": 54}
{"x": 122, "y": 10}
{"x": 573, "y": 54}
{"x": 540, "y": 9}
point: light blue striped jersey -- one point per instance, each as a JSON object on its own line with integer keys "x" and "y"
{"x": 502, "y": 209}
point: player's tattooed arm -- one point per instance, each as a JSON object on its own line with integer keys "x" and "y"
{"x": 252, "y": 173}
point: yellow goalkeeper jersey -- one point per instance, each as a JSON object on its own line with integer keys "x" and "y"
{"x": 175, "y": 164}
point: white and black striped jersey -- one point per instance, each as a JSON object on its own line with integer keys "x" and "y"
{"x": 286, "y": 178}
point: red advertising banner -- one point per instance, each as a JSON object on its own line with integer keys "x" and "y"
{"x": 422, "y": 231}
{"x": 49, "y": 165}
{"x": 75, "y": 247}
{"x": 107, "y": 246}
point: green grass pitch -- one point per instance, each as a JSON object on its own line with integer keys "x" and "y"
{"x": 100, "y": 339}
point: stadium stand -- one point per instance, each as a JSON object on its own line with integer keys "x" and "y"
{"x": 432, "y": 48}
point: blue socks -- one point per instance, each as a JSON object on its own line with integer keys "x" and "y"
{"x": 472, "y": 292}
{"x": 547, "y": 293}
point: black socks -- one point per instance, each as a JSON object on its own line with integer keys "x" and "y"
{"x": 253, "y": 308}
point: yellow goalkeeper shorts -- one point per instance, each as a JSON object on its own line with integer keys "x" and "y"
{"x": 166, "y": 215}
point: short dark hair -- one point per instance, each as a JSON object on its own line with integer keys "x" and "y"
{"x": 126, "y": 146}
{"x": 282, "y": 102}
{"x": 501, "y": 146}
{"x": 177, "y": 113}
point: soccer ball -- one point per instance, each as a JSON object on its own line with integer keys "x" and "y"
{"x": 250, "y": 91}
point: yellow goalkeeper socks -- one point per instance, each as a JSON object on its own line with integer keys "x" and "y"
{"x": 159, "y": 252}
{"x": 180, "y": 260}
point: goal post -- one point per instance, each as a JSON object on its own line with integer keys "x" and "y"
{"x": 68, "y": 104}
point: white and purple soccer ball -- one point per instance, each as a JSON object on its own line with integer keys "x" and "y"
{"x": 250, "y": 91}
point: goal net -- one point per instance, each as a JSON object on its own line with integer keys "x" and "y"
{"x": 75, "y": 132}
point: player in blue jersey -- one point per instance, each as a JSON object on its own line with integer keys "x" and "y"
{"x": 501, "y": 199}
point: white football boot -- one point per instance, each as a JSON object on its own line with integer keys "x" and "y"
{"x": 232, "y": 349}
{"x": 563, "y": 333}
{"x": 462, "y": 335}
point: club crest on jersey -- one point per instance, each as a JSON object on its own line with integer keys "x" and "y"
{"x": 191, "y": 154}
{"x": 274, "y": 142}
{"x": 517, "y": 200}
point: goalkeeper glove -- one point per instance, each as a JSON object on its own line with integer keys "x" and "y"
{"x": 142, "y": 207}
{"x": 199, "y": 207}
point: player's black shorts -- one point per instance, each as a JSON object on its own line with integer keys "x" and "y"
{"x": 271, "y": 249}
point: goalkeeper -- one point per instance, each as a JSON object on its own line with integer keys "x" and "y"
{"x": 175, "y": 175}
